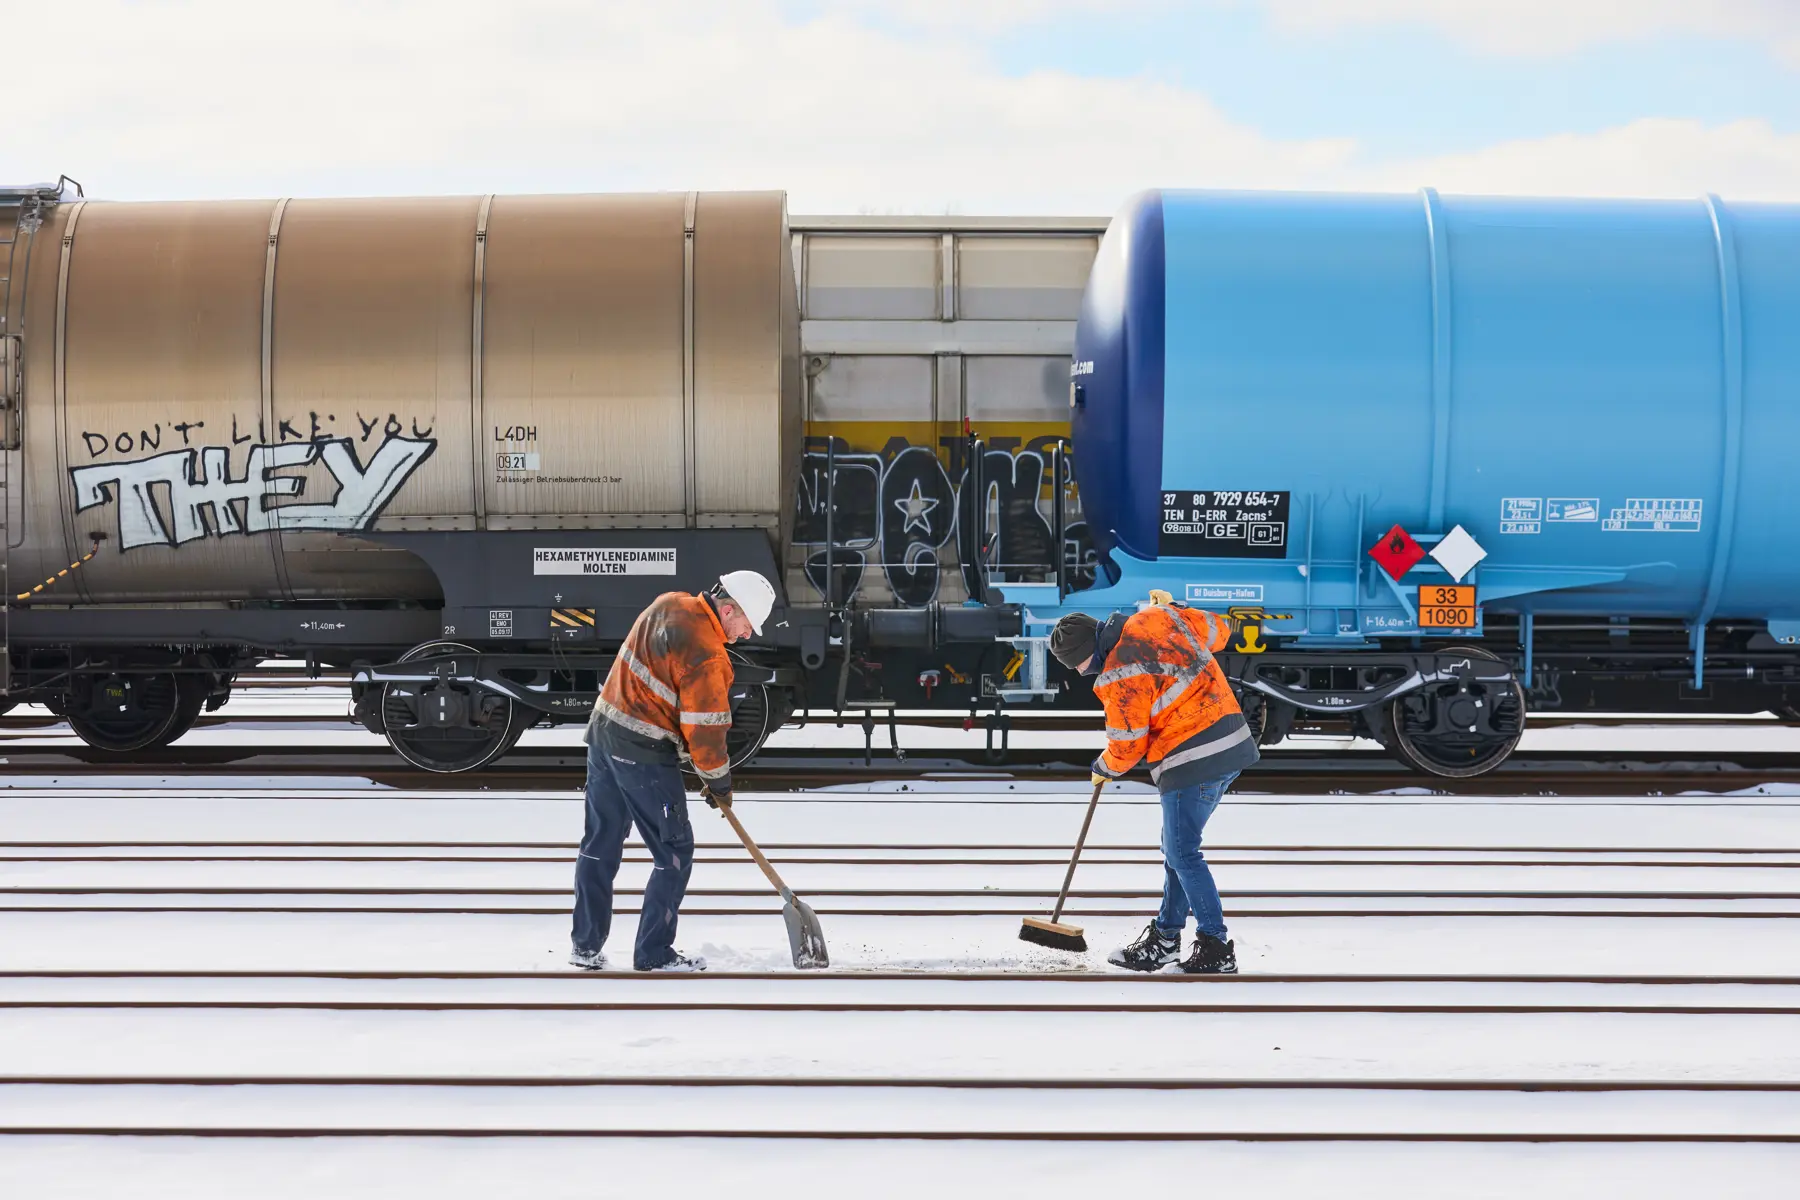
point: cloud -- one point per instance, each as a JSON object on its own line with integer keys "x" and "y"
{"x": 1548, "y": 27}
{"x": 214, "y": 98}
{"x": 984, "y": 16}
{"x": 1743, "y": 160}
{"x": 219, "y": 98}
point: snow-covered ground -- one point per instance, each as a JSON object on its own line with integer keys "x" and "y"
{"x": 79, "y": 1168}
{"x": 378, "y": 968}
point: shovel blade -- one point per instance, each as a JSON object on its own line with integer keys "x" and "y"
{"x": 805, "y": 937}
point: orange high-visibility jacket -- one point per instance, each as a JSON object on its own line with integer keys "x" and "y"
{"x": 672, "y": 682}
{"x": 1167, "y": 700}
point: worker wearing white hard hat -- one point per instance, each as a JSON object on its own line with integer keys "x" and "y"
{"x": 752, "y": 595}
{"x": 668, "y": 696}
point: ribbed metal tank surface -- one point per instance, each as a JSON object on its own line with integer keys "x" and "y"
{"x": 1603, "y": 394}
{"x": 224, "y": 389}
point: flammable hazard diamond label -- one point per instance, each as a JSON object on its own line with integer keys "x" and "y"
{"x": 1396, "y": 552}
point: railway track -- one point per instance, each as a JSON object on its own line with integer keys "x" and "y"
{"x": 889, "y": 991}
{"x": 800, "y": 853}
{"x": 862, "y": 1110}
{"x": 1281, "y": 770}
{"x": 268, "y": 962}
{"x": 331, "y": 705}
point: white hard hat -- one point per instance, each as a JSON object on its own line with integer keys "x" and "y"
{"x": 752, "y": 593}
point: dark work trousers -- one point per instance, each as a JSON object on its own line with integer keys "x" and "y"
{"x": 622, "y": 793}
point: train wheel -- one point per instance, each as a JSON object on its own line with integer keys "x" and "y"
{"x": 1454, "y": 731}
{"x": 122, "y": 714}
{"x": 191, "y": 692}
{"x": 447, "y": 727}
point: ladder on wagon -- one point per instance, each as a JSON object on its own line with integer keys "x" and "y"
{"x": 22, "y": 213}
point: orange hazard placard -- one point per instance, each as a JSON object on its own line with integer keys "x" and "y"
{"x": 1447, "y": 606}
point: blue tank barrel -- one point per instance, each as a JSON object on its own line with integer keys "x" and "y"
{"x": 1604, "y": 394}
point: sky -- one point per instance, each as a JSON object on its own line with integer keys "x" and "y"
{"x": 908, "y": 106}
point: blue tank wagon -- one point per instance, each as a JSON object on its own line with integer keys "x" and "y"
{"x": 1454, "y": 455}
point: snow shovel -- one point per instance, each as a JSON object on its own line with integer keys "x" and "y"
{"x": 804, "y": 934}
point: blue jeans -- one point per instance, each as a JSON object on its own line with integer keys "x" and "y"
{"x": 1187, "y": 881}
{"x": 619, "y": 794}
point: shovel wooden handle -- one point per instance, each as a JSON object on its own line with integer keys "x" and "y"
{"x": 725, "y": 811}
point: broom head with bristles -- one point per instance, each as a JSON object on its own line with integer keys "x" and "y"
{"x": 1053, "y": 935}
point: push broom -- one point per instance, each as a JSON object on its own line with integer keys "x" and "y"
{"x": 1053, "y": 933}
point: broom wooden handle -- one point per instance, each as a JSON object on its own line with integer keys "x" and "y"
{"x": 1062, "y": 897}
{"x": 725, "y": 811}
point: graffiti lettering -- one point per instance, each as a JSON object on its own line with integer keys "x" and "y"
{"x": 200, "y": 485}
{"x": 857, "y": 495}
{"x": 319, "y": 428}
{"x": 98, "y": 443}
{"x": 900, "y": 511}
{"x": 918, "y": 518}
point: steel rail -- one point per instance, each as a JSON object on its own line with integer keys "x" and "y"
{"x": 899, "y": 892}
{"x": 1721, "y": 914}
{"x": 912, "y": 1082}
{"x": 1149, "y": 857}
{"x": 1671, "y": 789}
{"x": 896, "y": 1006}
{"x": 1147, "y": 848}
{"x": 1021, "y": 721}
{"x": 896, "y": 1135}
{"x": 1281, "y": 771}
{"x": 890, "y": 975}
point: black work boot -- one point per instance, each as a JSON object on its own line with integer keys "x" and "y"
{"x": 1151, "y": 952}
{"x": 1210, "y": 956}
{"x": 677, "y": 962}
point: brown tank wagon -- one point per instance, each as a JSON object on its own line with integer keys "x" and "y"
{"x": 453, "y": 444}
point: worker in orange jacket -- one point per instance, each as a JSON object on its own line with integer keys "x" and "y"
{"x": 668, "y": 693}
{"x": 1168, "y": 702}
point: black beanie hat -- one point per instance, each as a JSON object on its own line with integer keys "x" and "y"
{"x": 1074, "y": 640}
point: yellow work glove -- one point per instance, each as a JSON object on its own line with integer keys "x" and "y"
{"x": 1158, "y": 596}
{"x": 1096, "y": 778}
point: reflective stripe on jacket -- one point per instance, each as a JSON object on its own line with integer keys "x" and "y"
{"x": 672, "y": 682}
{"x": 1168, "y": 702}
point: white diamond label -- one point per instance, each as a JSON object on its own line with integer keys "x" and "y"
{"x": 1458, "y": 553}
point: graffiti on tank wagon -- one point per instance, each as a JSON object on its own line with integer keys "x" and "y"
{"x": 900, "y": 510}
{"x": 205, "y": 499}
{"x": 315, "y": 427}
